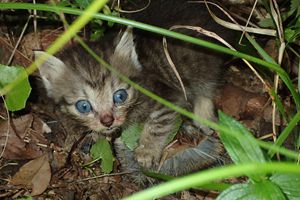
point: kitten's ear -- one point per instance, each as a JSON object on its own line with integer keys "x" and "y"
{"x": 126, "y": 48}
{"x": 50, "y": 70}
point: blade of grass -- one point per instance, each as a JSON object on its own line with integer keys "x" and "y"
{"x": 209, "y": 186}
{"x": 285, "y": 133}
{"x": 268, "y": 58}
{"x": 215, "y": 174}
{"x": 280, "y": 105}
{"x": 299, "y": 76}
{"x": 277, "y": 149}
{"x": 284, "y": 76}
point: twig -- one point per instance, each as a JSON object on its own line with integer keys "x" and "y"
{"x": 19, "y": 40}
{"x": 38, "y": 144}
{"x": 8, "y": 128}
{"x": 35, "y": 21}
{"x": 266, "y": 136}
{"x": 248, "y": 20}
{"x": 235, "y": 25}
{"x": 165, "y": 46}
{"x": 61, "y": 16}
{"x": 11, "y": 49}
{"x": 101, "y": 176}
{"x": 8, "y": 164}
{"x": 131, "y": 11}
{"x": 237, "y": 16}
{"x": 2, "y": 117}
{"x": 276, "y": 16}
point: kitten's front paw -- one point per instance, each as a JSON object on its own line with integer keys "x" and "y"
{"x": 147, "y": 157}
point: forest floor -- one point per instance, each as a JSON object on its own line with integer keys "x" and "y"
{"x": 38, "y": 161}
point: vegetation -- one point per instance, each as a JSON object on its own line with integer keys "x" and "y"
{"x": 267, "y": 176}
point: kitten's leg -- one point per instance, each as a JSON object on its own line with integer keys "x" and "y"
{"x": 153, "y": 139}
{"x": 204, "y": 107}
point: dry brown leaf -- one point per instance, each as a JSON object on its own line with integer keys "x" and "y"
{"x": 232, "y": 100}
{"x": 240, "y": 103}
{"x": 25, "y": 138}
{"x": 35, "y": 174}
{"x": 22, "y": 124}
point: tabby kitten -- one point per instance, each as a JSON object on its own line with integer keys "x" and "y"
{"x": 105, "y": 104}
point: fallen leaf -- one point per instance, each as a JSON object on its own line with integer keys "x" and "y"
{"x": 22, "y": 138}
{"x": 21, "y": 124}
{"x": 255, "y": 105}
{"x": 233, "y": 100}
{"x": 35, "y": 174}
{"x": 239, "y": 103}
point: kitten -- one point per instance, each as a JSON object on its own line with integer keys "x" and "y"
{"x": 105, "y": 104}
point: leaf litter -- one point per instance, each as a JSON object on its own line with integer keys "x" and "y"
{"x": 35, "y": 175}
{"x": 25, "y": 139}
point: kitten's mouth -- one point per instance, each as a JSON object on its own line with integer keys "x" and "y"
{"x": 110, "y": 130}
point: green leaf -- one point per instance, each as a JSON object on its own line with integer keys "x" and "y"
{"x": 260, "y": 50}
{"x": 131, "y": 135}
{"x": 241, "y": 147}
{"x": 102, "y": 150}
{"x": 286, "y": 132}
{"x": 289, "y": 184}
{"x": 116, "y": 14}
{"x": 106, "y": 10}
{"x": 265, "y": 190}
{"x": 295, "y": 6}
{"x": 97, "y": 34}
{"x": 83, "y": 3}
{"x": 291, "y": 35}
{"x": 15, "y": 99}
{"x": 266, "y": 23}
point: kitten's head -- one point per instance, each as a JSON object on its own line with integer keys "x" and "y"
{"x": 88, "y": 91}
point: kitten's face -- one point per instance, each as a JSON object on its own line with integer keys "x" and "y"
{"x": 101, "y": 109}
{"x": 89, "y": 92}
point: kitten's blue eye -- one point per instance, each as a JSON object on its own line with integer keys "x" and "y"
{"x": 120, "y": 96}
{"x": 83, "y": 106}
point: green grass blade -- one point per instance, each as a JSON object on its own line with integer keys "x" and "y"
{"x": 288, "y": 82}
{"x": 285, "y": 133}
{"x": 216, "y": 174}
{"x": 209, "y": 186}
{"x": 260, "y": 50}
{"x": 280, "y": 105}
{"x": 299, "y": 76}
{"x": 277, "y": 149}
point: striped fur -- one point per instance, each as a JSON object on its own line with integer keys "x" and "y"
{"x": 73, "y": 75}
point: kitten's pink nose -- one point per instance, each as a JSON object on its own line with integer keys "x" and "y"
{"x": 107, "y": 120}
